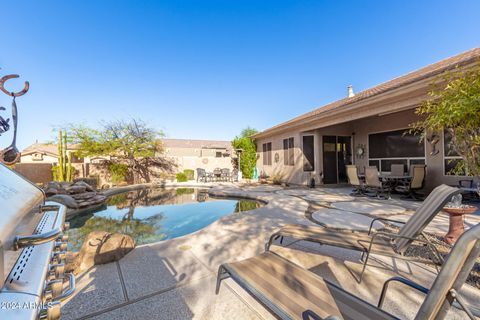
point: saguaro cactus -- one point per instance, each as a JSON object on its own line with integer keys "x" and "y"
{"x": 60, "y": 172}
{"x": 64, "y": 169}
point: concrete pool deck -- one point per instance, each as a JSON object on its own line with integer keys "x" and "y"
{"x": 175, "y": 279}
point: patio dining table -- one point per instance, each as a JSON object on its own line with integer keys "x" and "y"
{"x": 388, "y": 177}
{"x": 394, "y": 178}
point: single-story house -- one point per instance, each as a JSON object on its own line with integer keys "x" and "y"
{"x": 205, "y": 154}
{"x": 365, "y": 129}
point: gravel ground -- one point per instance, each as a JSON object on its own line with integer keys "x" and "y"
{"x": 420, "y": 250}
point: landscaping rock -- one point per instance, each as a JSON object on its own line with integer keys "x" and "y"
{"x": 84, "y": 196}
{"x": 97, "y": 199}
{"x": 84, "y": 184}
{"x": 65, "y": 200}
{"x": 74, "y": 195}
{"x": 115, "y": 248}
{"x": 71, "y": 261}
{"x": 100, "y": 247}
{"x": 90, "y": 247}
{"x": 75, "y": 189}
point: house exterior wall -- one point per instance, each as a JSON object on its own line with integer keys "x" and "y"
{"x": 361, "y": 129}
{"x": 207, "y": 163}
{"x": 30, "y": 158}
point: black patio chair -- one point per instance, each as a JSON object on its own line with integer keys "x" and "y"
{"x": 373, "y": 183}
{"x": 410, "y": 188}
{"x": 201, "y": 175}
{"x": 225, "y": 174}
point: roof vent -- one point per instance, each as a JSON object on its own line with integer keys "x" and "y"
{"x": 350, "y": 91}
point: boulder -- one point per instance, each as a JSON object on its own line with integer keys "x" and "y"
{"x": 84, "y": 184}
{"x": 65, "y": 200}
{"x": 71, "y": 261}
{"x": 75, "y": 189}
{"x": 90, "y": 247}
{"x": 97, "y": 199}
{"x": 84, "y": 196}
{"x": 115, "y": 247}
{"x": 52, "y": 188}
{"x": 101, "y": 247}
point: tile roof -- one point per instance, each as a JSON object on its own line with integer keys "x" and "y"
{"x": 420, "y": 74}
{"x": 48, "y": 148}
{"x": 196, "y": 144}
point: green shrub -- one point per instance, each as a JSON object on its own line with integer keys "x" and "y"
{"x": 181, "y": 191}
{"x": 118, "y": 171}
{"x": 181, "y": 177}
{"x": 189, "y": 173}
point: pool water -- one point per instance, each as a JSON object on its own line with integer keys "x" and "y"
{"x": 155, "y": 214}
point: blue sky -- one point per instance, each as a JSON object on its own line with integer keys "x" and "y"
{"x": 206, "y": 69}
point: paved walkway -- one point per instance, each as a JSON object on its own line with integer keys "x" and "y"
{"x": 175, "y": 279}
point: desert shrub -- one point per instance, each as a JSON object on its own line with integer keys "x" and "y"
{"x": 189, "y": 173}
{"x": 181, "y": 191}
{"x": 277, "y": 178}
{"x": 181, "y": 177}
{"x": 118, "y": 172}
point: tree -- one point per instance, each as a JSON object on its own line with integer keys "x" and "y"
{"x": 248, "y": 157}
{"x": 454, "y": 106}
{"x": 129, "y": 142}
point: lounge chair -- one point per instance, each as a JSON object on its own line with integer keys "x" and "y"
{"x": 416, "y": 183}
{"x": 382, "y": 243}
{"x": 354, "y": 180}
{"x": 292, "y": 292}
{"x": 373, "y": 183}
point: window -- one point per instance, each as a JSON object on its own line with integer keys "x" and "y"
{"x": 308, "y": 154}
{"x": 395, "y": 147}
{"x": 288, "y": 155}
{"x": 218, "y": 154}
{"x": 453, "y": 163}
{"x": 267, "y": 154}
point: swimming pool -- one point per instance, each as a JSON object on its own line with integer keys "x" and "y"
{"x": 155, "y": 214}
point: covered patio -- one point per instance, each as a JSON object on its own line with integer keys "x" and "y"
{"x": 370, "y": 128}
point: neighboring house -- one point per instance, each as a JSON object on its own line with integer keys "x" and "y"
{"x": 36, "y": 160}
{"x": 193, "y": 154}
{"x": 366, "y": 129}
{"x": 45, "y": 153}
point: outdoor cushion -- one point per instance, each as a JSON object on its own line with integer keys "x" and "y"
{"x": 296, "y": 293}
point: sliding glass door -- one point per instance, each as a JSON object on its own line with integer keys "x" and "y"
{"x": 337, "y": 153}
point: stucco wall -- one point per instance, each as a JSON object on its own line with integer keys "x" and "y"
{"x": 361, "y": 128}
{"x": 45, "y": 159}
{"x": 207, "y": 163}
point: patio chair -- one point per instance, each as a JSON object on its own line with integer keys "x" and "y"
{"x": 417, "y": 182}
{"x": 201, "y": 175}
{"x": 373, "y": 183}
{"x": 234, "y": 175}
{"x": 354, "y": 180}
{"x": 225, "y": 174}
{"x": 381, "y": 243}
{"x": 469, "y": 190}
{"x": 217, "y": 174}
{"x": 397, "y": 170}
{"x": 292, "y": 292}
